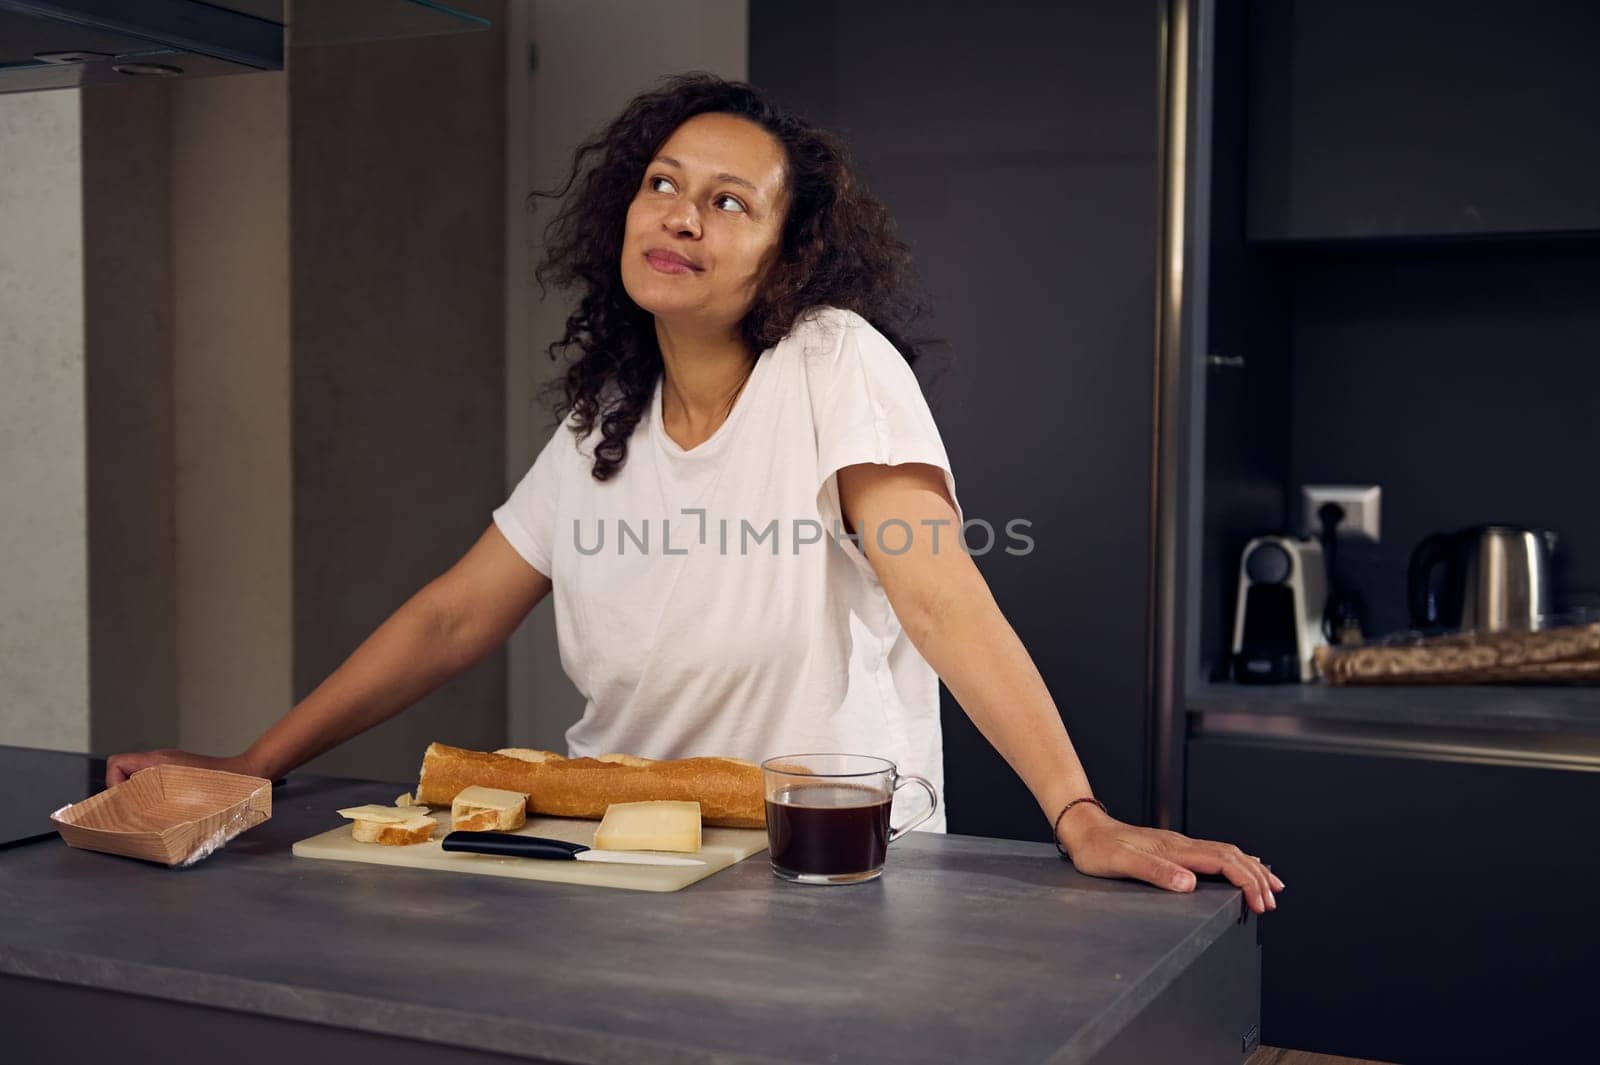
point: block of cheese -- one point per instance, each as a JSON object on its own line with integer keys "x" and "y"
{"x": 481, "y": 809}
{"x": 649, "y": 826}
{"x": 389, "y": 825}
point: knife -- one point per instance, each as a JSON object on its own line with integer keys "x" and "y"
{"x": 511, "y": 845}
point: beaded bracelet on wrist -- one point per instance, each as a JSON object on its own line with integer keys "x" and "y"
{"x": 1055, "y": 828}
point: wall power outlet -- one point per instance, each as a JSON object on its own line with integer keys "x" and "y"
{"x": 1361, "y": 505}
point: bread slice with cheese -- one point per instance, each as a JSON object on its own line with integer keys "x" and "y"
{"x": 391, "y": 826}
{"x": 481, "y": 809}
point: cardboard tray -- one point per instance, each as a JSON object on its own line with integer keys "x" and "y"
{"x": 171, "y": 814}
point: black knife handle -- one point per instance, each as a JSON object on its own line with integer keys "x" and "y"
{"x": 510, "y": 845}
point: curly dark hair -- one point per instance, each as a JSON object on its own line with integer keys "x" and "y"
{"x": 838, "y": 248}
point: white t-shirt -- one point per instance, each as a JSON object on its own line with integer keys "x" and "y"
{"x": 710, "y": 601}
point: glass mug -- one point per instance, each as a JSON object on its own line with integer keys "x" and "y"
{"x": 828, "y": 815}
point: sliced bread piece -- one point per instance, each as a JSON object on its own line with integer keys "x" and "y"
{"x": 481, "y": 809}
{"x": 389, "y": 825}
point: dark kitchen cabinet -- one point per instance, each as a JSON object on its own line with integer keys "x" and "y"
{"x": 1434, "y": 910}
{"x": 1438, "y": 844}
{"x": 1457, "y": 375}
{"x": 1371, "y": 118}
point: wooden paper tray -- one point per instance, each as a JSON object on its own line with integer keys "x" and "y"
{"x": 172, "y": 814}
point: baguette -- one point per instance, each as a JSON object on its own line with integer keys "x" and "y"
{"x": 528, "y": 753}
{"x": 625, "y": 759}
{"x": 728, "y": 790}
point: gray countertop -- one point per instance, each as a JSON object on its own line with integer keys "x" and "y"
{"x": 967, "y": 949}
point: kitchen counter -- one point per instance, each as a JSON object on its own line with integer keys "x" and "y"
{"x": 967, "y": 949}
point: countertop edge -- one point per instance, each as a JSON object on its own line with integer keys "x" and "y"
{"x": 1099, "y": 1033}
{"x": 377, "y": 1016}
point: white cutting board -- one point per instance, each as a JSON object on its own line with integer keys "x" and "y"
{"x": 719, "y": 848}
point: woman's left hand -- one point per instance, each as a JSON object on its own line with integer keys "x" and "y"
{"x": 1100, "y": 845}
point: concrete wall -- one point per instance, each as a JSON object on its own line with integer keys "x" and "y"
{"x": 592, "y": 58}
{"x": 311, "y": 375}
{"x": 155, "y": 287}
{"x": 44, "y": 610}
{"x": 230, "y": 388}
{"x": 185, "y": 292}
{"x": 127, "y": 318}
{"x": 397, "y": 216}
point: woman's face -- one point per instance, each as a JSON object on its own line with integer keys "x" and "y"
{"x": 713, "y": 196}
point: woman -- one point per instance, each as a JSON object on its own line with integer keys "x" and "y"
{"x": 741, "y": 514}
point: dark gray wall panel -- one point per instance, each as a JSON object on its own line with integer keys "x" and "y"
{"x": 1015, "y": 146}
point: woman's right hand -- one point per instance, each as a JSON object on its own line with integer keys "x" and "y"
{"x": 120, "y": 767}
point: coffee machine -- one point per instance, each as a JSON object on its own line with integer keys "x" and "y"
{"x": 1277, "y": 622}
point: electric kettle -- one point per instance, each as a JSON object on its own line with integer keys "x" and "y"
{"x": 1491, "y": 578}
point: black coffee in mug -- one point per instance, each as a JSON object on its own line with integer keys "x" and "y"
{"x": 827, "y": 829}
{"x": 828, "y": 815}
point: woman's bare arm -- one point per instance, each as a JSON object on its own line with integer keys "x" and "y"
{"x": 451, "y": 624}
{"x": 953, "y": 621}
